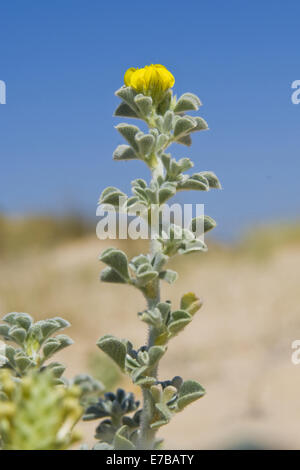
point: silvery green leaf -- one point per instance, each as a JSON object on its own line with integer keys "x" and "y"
{"x": 124, "y": 110}
{"x": 176, "y": 326}
{"x": 166, "y": 192}
{"x": 165, "y": 413}
{"x": 4, "y": 329}
{"x": 145, "y": 381}
{"x": 139, "y": 182}
{"x": 111, "y": 195}
{"x": 155, "y": 354}
{"x": 145, "y": 143}
{"x": 50, "y": 347}
{"x": 159, "y": 123}
{"x": 166, "y": 159}
{"x": 64, "y": 341}
{"x": 117, "y": 260}
{"x": 168, "y": 121}
{"x": 189, "y": 392}
{"x": 212, "y": 179}
{"x": 192, "y": 246}
{"x": 10, "y": 317}
{"x": 141, "y": 193}
{"x": 23, "y": 320}
{"x": 114, "y": 348}
{"x": 152, "y": 195}
{"x": 61, "y": 322}
{"x": 110, "y": 275}
{"x": 185, "y": 164}
{"x": 139, "y": 261}
{"x": 192, "y": 183}
{"x": 18, "y": 334}
{"x": 165, "y": 103}
{"x": 161, "y": 141}
{"x": 187, "y": 102}
{"x": 127, "y": 94}
{"x": 146, "y": 277}
{"x": 23, "y": 362}
{"x": 202, "y": 224}
{"x": 121, "y": 440}
{"x": 168, "y": 276}
{"x": 144, "y": 104}
{"x": 164, "y": 308}
{"x": 159, "y": 261}
{"x": 129, "y": 132}
{"x": 10, "y": 353}
{"x": 185, "y": 140}
{"x": 152, "y": 317}
{"x": 143, "y": 358}
{"x": 56, "y": 368}
{"x": 184, "y": 126}
{"x": 48, "y": 327}
{"x": 201, "y": 124}
{"x": 124, "y": 152}
{"x": 138, "y": 373}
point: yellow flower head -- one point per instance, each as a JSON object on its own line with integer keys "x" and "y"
{"x": 152, "y": 80}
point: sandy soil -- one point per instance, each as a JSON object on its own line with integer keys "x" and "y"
{"x": 238, "y": 346}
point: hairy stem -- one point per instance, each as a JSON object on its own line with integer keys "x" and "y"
{"x": 147, "y": 434}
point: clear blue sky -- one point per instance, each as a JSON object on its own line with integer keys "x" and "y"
{"x": 62, "y": 60}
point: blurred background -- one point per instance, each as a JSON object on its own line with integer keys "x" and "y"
{"x": 61, "y": 62}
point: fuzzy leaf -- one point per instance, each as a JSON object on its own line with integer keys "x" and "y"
{"x": 18, "y": 334}
{"x": 184, "y": 126}
{"x": 4, "y": 329}
{"x": 144, "y": 104}
{"x": 117, "y": 260}
{"x": 114, "y": 348}
{"x": 110, "y": 275}
{"x": 124, "y": 152}
{"x": 129, "y": 132}
{"x": 50, "y": 347}
{"x": 187, "y": 102}
{"x": 202, "y": 224}
{"x": 185, "y": 140}
{"x": 127, "y": 94}
{"x": 212, "y": 179}
{"x": 168, "y": 276}
{"x": 166, "y": 192}
{"x": 145, "y": 143}
{"x": 155, "y": 354}
{"x": 189, "y": 392}
{"x": 165, "y": 415}
{"x": 124, "y": 110}
{"x": 121, "y": 441}
{"x": 111, "y": 195}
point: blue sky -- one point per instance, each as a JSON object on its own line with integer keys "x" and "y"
{"x": 62, "y": 61}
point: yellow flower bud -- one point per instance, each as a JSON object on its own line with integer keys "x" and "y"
{"x": 152, "y": 80}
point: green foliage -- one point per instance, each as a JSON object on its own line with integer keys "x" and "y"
{"x": 168, "y": 123}
{"x": 33, "y": 343}
{"x": 38, "y": 409}
{"x": 36, "y": 414}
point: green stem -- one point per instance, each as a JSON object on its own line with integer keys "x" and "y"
{"x": 147, "y": 434}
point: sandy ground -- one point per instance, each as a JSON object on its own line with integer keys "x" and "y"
{"x": 238, "y": 345}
